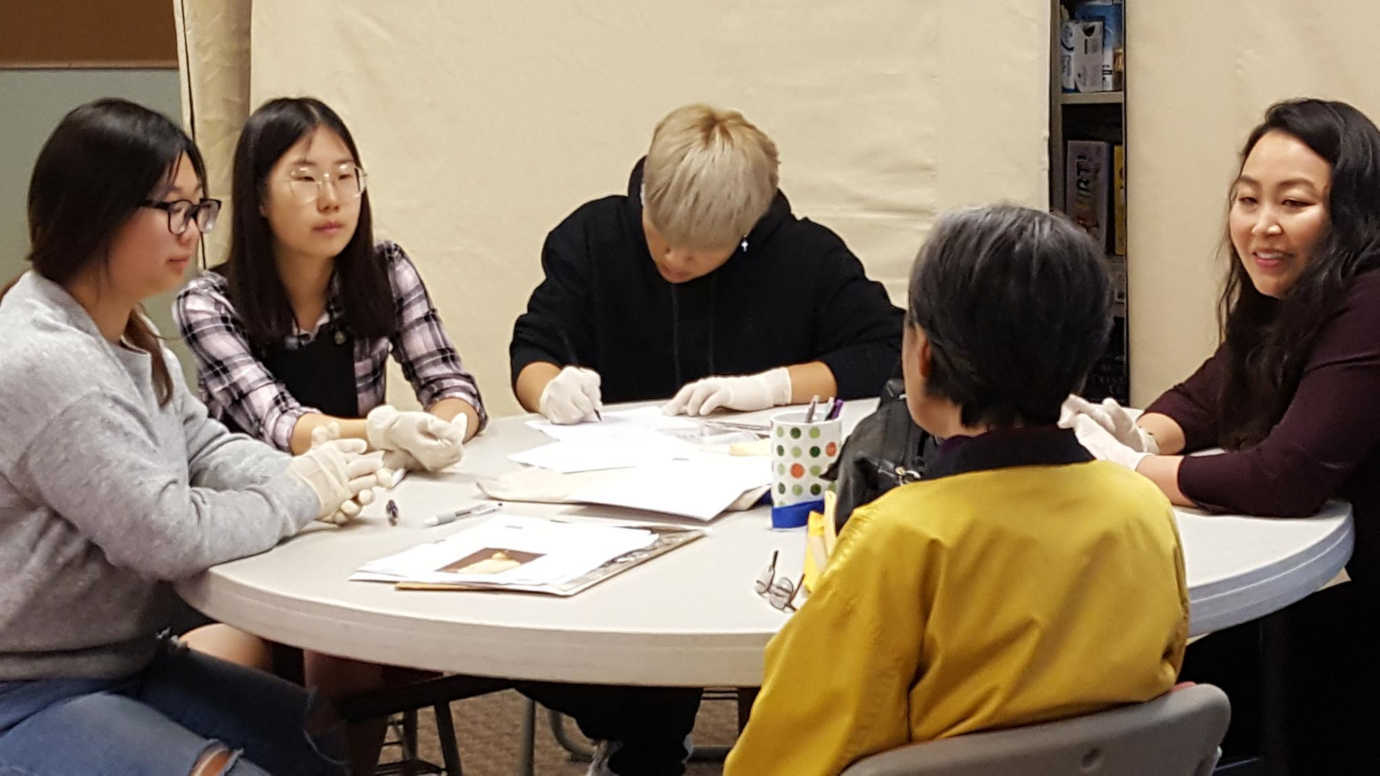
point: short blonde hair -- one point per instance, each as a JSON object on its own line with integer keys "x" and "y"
{"x": 709, "y": 176}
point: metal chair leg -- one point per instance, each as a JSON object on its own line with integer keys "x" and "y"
{"x": 746, "y": 697}
{"x": 445, "y": 730}
{"x": 409, "y": 742}
{"x": 526, "y": 754}
{"x": 579, "y": 753}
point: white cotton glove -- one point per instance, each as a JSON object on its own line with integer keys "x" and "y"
{"x": 399, "y": 461}
{"x": 1114, "y": 418}
{"x": 752, "y": 392}
{"x": 351, "y": 507}
{"x": 1103, "y": 446}
{"x": 341, "y": 475}
{"x": 431, "y": 442}
{"x": 572, "y": 396}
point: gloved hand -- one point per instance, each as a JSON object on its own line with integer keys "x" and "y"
{"x": 387, "y": 477}
{"x": 572, "y": 396}
{"x": 340, "y": 473}
{"x": 752, "y": 392}
{"x": 1114, "y": 418}
{"x": 1103, "y": 446}
{"x": 431, "y": 442}
{"x": 398, "y": 461}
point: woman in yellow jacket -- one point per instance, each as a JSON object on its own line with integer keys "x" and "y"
{"x": 1021, "y": 581}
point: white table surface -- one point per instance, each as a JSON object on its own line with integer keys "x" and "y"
{"x": 690, "y": 617}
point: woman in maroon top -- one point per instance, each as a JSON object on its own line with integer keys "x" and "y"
{"x": 1293, "y": 396}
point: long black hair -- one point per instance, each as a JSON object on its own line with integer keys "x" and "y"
{"x": 1267, "y": 340}
{"x": 103, "y": 160}
{"x": 255, "y": 288}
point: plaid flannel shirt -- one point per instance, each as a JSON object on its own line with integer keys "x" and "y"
{"x": 236, "y": 385}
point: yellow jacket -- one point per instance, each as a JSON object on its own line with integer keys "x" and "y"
{"x": 989, "y": 598}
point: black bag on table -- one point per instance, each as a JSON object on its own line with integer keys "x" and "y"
{"x": 886, "y": 449}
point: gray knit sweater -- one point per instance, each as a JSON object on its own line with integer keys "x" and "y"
{"x": 105, "y": 496}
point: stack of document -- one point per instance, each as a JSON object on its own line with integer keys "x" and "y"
{"x": 640, "y": 459}
{"x": 510, "y": 551}
{"x": 700, "y": 487}
{"x": 626, "y": 439}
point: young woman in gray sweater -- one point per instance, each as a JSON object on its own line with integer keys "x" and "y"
{"x": 114, "y": 483}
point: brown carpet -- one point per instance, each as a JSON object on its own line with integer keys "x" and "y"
{"x": 489, "y": 728}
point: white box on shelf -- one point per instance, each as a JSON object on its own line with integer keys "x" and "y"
{"x": 1086, "y": 57}
{"x": 1111, "y": 14}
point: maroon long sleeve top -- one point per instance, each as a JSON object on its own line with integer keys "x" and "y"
{"x": 1326, "y": 445}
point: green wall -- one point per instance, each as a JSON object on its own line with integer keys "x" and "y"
{"x": 32, "y": 103}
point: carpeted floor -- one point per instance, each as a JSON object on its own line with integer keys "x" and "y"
{"x": 489, "y": 727}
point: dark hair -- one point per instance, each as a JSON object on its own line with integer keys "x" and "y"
{"x": 102, "y": 161}
{"x": 251, "y": 272}
{"x": 1268, "y": 340}
{"x": 1016, "y": 305}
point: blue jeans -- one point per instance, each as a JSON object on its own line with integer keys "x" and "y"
{"x": 162, "y": 719}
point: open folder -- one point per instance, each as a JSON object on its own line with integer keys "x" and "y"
{"x": 528, "y": 554}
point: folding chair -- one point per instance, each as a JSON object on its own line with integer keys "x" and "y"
{"x": 1176, "y": 734}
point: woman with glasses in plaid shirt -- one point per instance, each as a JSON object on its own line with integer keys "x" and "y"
{"x": 292, "y": 333}
{"x": 294, "y": 330}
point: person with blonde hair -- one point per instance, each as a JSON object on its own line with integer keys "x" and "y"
{"x": 700, "y": 283}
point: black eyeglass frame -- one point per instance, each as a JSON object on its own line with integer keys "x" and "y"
{"x": 192, "y": 212}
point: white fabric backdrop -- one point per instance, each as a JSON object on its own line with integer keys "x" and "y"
{"x": 482, "y": 126}
{"x": 213, "y": 59}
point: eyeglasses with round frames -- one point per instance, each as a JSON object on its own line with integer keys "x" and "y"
{"x": 779, "y": 592}
{"x": 182, "y": 212}
{"x": 347, "y": 183}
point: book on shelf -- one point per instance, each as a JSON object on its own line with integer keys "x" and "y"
{"x": 1119, "y": 199}
{"x": 1087, "y": 186}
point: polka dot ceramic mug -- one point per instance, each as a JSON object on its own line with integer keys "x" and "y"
{"x": 800, "y": 454}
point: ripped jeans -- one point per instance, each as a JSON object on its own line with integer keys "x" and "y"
{"x": 161, "y": 719}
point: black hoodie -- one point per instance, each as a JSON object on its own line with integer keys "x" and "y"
{"x": 792, "y": 295}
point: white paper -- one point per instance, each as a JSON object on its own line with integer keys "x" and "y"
{"x": 570, "y": 457}
{"x": 509, "y": 550}
{"x": 617, "y": 425}
{"x": 700, "y": 487}
{"x": 626, "y": 439}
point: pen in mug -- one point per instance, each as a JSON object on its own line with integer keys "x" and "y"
{"x": 810, "y": 413}
{"x": 575, "y": 362}
{"x": 835, "y": 408}
{"x": 474, "y": 511}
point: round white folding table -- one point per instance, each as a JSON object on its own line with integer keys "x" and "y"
{"x": 688, "y": 618}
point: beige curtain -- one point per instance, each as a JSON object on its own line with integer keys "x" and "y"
{"x": 213, "y": 61}
{"x": 1200, "y": 77}
{"x": 483, "y": 125}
